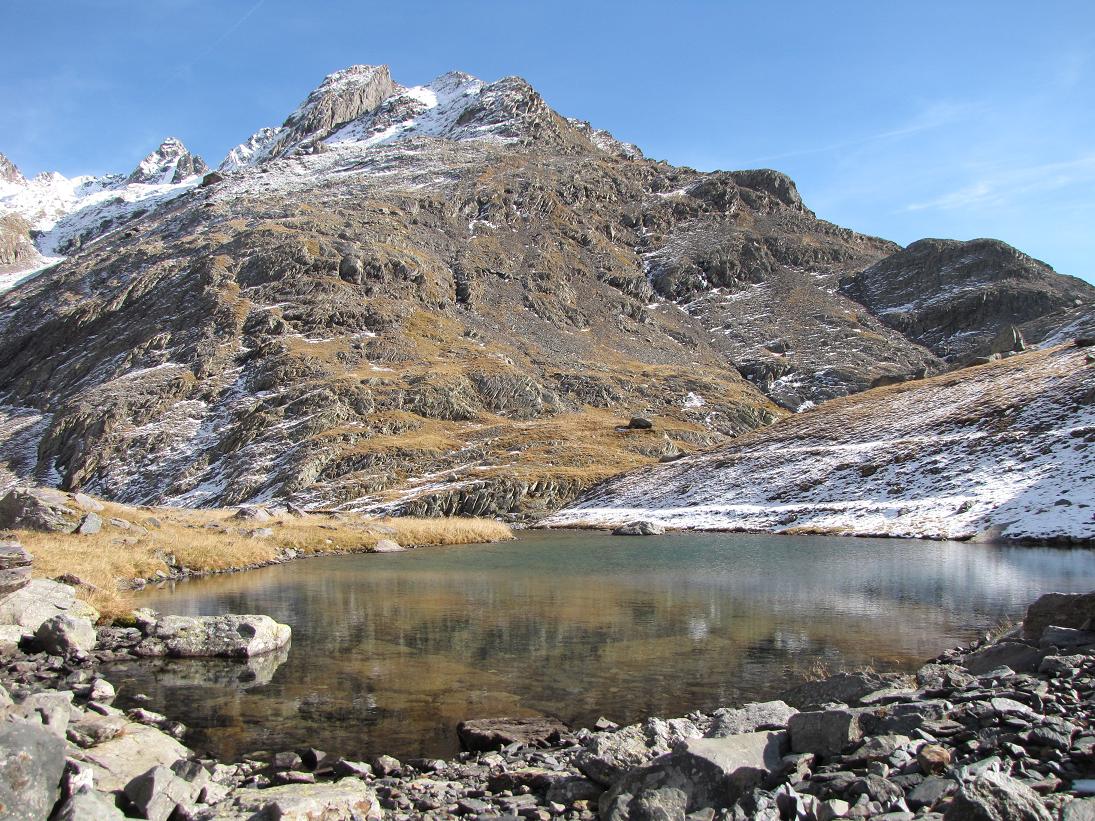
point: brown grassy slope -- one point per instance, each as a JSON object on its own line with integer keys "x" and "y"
{"x": 204, "y": 541}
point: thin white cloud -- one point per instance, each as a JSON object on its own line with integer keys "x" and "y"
{"x": 1010, "y": 183}
{"x": 936, "y": 115}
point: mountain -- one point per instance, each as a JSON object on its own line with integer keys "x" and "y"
{"x": 954, "y": 297}
{"x": 1002, "y": 450}
{"x": 430, "y": 299}
{"x": 52, "y": 215}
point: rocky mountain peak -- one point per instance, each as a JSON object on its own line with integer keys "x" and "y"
{"x": 9, "y": 172}
{"x": 340, "y": 98}
{"x": 172, "y": 162}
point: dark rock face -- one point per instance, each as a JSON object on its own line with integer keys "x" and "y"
{"x": 956, "y": 297}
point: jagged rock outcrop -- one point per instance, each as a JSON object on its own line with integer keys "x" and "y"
{"x": 956, "y": 297}
{"x": 9, "y": 172}
{"x": 16, "y": 246}
{"x": 172, "y": 162}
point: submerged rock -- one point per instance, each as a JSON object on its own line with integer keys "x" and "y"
{"x": 495, "y": 733}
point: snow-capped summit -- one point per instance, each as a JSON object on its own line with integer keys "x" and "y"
{"x": 340, "y": 98}
{"x": 361, "y": 107}
{"x": 170, "y": 163}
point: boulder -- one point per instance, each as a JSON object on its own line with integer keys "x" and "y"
{"x": 51, "y": 709}
{"x": 387, "y": 546}
{"x": 91, "y": 524}
{"x": 994, "y": 796}
{"x": 251, "y": 513}
{"x": 41, "y": 600}
{"x": 876, "y": 748}
{"x": 481, "y": 735}
{"x": 1019, "y": 656}
{"x": 87, "y": 805}
{"x": 824, "y": 732}
{"x": 15, "y": 565}
{"x": 86, "y": 503}
{"x": 32, "y": 760}
{"x": 662, "y": 735}
{"x": 40, "y": 509}
{"x": 701, "y": 773}
{"x": 639, "y": 528}
{"x": 132, "y": 752}
{"x": 66, "y": 635}
{"x": 159, "y": 792}
{"x": 231, "y": 636}
{"x": 640, "y": 423}
{"x": 10, "y": 637}
{"x": 845, "y": 688}
{"x": 607, "y": 756}
{"x": 1067, "y": 639}
{"x": 1082, "y": 809}
{"x": 1075, "y": 610}
{"x": 766, "y": 715}
{"x": 348, "y": 798}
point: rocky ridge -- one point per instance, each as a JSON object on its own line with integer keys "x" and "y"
{"x": 997, "y": 730}
{"x": 443, "y": 298}
{"x": 955, "y": 297}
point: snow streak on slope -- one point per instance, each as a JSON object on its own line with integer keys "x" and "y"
{"x": 1008, "y": 446}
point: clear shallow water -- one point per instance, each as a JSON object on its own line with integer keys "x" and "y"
{"x": 390, "y": 651}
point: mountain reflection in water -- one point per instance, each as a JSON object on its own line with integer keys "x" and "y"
{"x": 390, "y": 651}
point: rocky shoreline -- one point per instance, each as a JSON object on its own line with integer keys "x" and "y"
{"x": 997, "y": 730}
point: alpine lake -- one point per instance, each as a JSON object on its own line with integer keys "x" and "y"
{"x": 391, "y": 651}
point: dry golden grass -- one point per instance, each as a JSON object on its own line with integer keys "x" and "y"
{"x": 206, "y": 541}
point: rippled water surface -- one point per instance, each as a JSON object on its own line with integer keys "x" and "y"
{"x": 390, "y": 651}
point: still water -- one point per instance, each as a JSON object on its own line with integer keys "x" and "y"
{"x": 390, "y": 651}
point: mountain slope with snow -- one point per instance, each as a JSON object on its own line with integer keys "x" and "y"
{"x": 444, "y": 298}
{"x": 59, "y": 214}
{"x": 1005, "y": 449}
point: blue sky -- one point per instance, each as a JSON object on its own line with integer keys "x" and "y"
{"x": 901, "y": 119}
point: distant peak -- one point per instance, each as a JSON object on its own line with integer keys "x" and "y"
{"x": 170, "y": 163}
{"x": 9, "y": 172}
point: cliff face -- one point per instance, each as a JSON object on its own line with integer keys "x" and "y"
{"x": 436, "y": 299}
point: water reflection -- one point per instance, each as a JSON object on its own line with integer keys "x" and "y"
{"x": 391, "y": 651}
